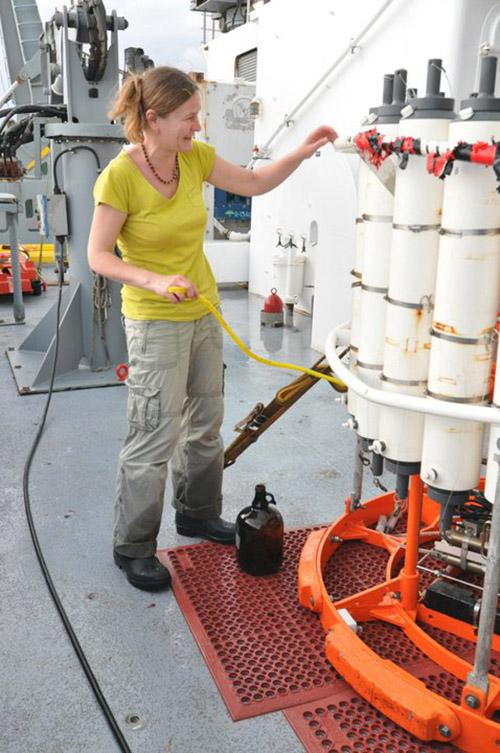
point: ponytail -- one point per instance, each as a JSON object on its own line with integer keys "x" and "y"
{"x": 128, "y": 106}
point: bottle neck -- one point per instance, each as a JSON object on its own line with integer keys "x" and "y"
{"x": 260, "y": 502}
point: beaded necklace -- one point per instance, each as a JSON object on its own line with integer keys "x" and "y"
{"x": 175, "y": 173}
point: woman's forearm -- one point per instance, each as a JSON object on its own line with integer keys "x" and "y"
{"x": 246, "y": 182}
{"x": 109, "y": 265}
{"x": 269, "y": 176}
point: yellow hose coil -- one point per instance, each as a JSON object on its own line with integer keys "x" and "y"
{"x": 337, "y": 383}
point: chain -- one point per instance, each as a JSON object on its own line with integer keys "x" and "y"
{"x": 101, "y": 301}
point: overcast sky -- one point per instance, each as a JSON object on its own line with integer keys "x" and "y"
{"x": 167, "y": 30}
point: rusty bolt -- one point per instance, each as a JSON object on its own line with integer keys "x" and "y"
{"x": 444, "y": 731}
{"x": 336, "y": 540}
{"x": 472, "y": 701}
{"x": 312, "y": 601}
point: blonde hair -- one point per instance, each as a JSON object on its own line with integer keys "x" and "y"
{"x": 161, "y": 89}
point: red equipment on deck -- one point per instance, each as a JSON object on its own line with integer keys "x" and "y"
{"x": 31, "y": 281}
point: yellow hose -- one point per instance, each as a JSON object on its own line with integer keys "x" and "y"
{"x": 337, "y": 383}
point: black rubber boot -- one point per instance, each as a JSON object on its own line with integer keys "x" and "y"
{"x": 213, "y": 529}
{"x": 146, "y": 573}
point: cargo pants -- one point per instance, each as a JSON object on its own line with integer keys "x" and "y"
{"x": 175, "y": 411}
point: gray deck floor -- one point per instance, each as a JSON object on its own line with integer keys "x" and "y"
{"x": 143, "y": 656}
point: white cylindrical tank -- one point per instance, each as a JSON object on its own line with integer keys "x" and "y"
{"x": 294, "y": 278}
{"x": 288, "y": 275}
{"x": 357, "y": 273}
{"x": 377, "y": 228}
{"x": 492, "y": 469}
{"x": 413, "y": 263}
{"x": 463, "y": 327}
{"x": 377, "y": 246}
{"x": 279, "y": 265}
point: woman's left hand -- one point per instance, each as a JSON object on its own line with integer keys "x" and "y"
{"x": 318, "y": 138}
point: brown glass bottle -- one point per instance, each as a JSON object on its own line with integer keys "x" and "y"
{"x": 259, "y": 535}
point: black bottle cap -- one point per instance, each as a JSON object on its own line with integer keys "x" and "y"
{"x": 433, "y": 104}
{"x": 484, "y": 103}
{"x": 393, "y": 97}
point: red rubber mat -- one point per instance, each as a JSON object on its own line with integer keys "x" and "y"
{"x": 265, "y": 652}
{"x": 345, "y": 723}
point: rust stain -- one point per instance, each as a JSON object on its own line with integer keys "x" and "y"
{"x": 476, "y": 257}
{"x": 461, "y": 429}
{"x": 444, "y": 328}
{"x": 409, "y": 345}
{"x": 406, "y": 346}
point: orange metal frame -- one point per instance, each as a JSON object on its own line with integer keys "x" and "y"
{"x": 390, "y": 689}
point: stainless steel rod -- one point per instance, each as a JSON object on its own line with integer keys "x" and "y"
{"x": 16, "y": 269}
{"x": 446, "y": 576}
{"x": 478, "y": 677}
{"x": 357, "y": 481}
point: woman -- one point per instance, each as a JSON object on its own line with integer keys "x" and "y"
{"x": 149, "y": 201}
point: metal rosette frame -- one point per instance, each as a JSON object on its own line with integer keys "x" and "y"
{"x": 397, "y": 694}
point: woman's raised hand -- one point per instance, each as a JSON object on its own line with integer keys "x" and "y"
{"x": 316, "y": 139}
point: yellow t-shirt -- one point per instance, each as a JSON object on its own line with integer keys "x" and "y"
{"x": 162, "y": 235}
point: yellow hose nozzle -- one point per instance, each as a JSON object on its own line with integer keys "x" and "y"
{"x": 177, "y": 289}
